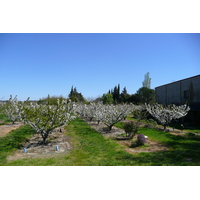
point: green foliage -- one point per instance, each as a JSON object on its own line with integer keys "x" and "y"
{"x": 14, "y": 140}
{"x": 50, "y": 100}
{"x": 3, "y": 119}
{"x": 89, "y": 149}
{"x": 134, "y": 98}
{"x": 92, "y": 149}
{"x": 107, "y": 98}
{"x": 75, "y": 96}
{"x": 147, "y": 81}
{"x": 146, "y": 95}
{"x": 131, "y": 128}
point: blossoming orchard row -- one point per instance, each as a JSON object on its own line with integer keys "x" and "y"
{"x": 44, "y": 118}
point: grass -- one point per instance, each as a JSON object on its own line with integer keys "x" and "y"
{"x": 92, "y": 149}
{"x": 13, "y": 141}
{"x": 182, "y": 148}
{"x": 3, "y": 119}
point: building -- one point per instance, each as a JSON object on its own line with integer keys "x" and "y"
{"x": 181, "y": 92}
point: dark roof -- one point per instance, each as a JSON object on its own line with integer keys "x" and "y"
{"x": 178, "y": 81}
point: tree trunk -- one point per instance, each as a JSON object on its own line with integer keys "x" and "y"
{"x": 44, "y": 140}
{"x": 44, "y": 137}
{"x": 110, "y": 127}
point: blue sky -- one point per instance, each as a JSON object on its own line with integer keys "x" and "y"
{"x": 35, "y": 65}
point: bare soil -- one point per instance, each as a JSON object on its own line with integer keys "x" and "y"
{"x": 35, "y": 148}
{"x": 6, "y": 128}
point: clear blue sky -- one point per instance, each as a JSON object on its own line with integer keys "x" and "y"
{"x": 35, "y": 65}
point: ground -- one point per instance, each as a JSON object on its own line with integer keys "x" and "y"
{"x": 5, "y": 129}
{"x": 151, "y": 146}
{"x": 35, "y": 149}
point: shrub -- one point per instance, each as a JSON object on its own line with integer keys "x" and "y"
{"x": 141, "y": 140}
{"x": 131, "y": 129}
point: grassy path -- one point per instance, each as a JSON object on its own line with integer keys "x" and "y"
{"x": 92, "y": 149}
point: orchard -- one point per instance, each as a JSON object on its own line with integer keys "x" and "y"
{"x": 45, "y": 117}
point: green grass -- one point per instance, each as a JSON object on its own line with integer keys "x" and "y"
{"x": 180, "y": 148}
{"x": 92, "y": 149}
{"x": 13, "y": 141}
{"x": 3, "y": 119}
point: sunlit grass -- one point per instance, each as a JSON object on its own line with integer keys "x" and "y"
{"x": 3, "y": 119}
{"x": 92, "y": 149}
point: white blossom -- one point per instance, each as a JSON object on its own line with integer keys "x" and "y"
{"x": 12, "y": 109}
{"x": 166, "y": 114}
{"x": 45, "y": 118}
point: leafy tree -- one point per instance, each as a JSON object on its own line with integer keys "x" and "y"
{"x": 124, "y": 95}
{"x": 50, "y": 100}
{"x": 146, "y": 95}
{"x": 134, "y": 98}
{"x": 131, "y": 128}
{"x": 115, "y": 93}
{"x": 107, "y": 98}
{"x": 147, "y": 81}
{"x": 75, "y": 96}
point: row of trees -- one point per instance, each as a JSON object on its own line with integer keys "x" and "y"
{"x": 45, "y": 117}
{"x": 109, "y": 114}
{"x": 143, "y": 95}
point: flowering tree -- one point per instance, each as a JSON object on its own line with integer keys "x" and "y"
{"x": 140, "y": 112}
{"x": 45, "y": 118}
{"x": 90, "y": 110}
{"x": 115, "y": 113}
{"x": 12, "y": 109}
{"x": 166, "y": 114}
{"x": 99, "y": 114}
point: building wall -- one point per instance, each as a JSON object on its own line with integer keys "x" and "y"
{"x": 179, "y": 92}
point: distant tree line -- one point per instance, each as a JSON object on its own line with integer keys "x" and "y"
{"x": 143, "y": 95}
{"x": 114, "y": 96}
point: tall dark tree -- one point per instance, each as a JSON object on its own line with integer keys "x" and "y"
{"x": 124, "y": 95}
{"x": 74, "y": 95}
{"x": 116, "y": 93}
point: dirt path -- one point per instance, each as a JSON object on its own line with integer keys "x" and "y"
{"x": 5, "y": 129}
